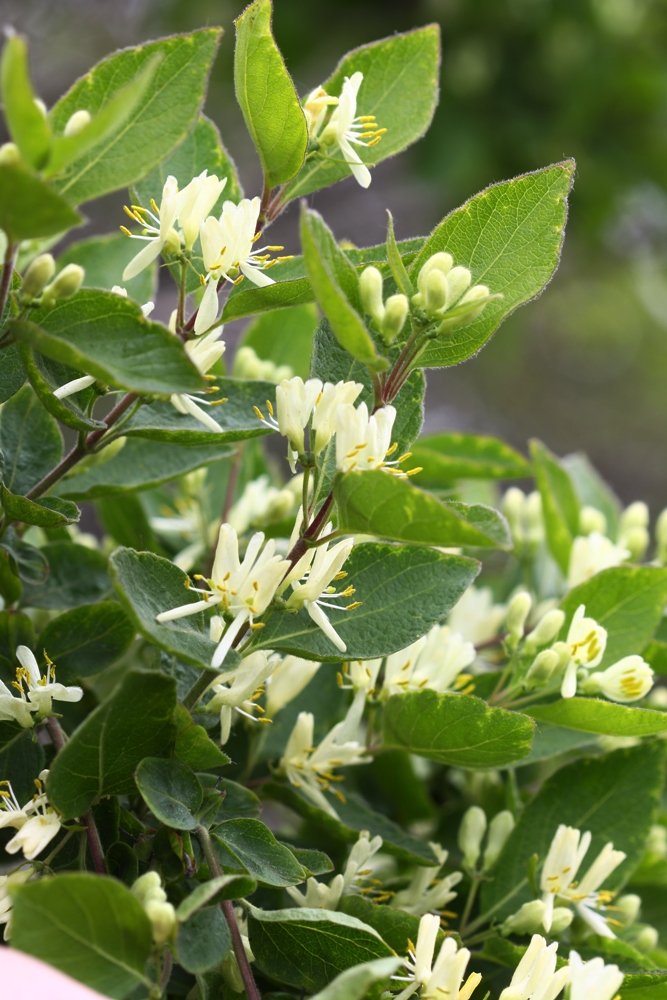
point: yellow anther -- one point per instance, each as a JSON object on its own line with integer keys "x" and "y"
{"x": 125, "y": 230}
{"x": 366, "y": 118}
{"x": 274, "y": 249}
{"x": 341, "y": 575}
{"x": 269, "y": 407}
{"x": 413, "y": 472}
{"x": 339, "y": 679}
{"x": 219, "y": 402}
{"x": 202, "y": 281}
{"x": 348, "y": 593}
{"x": 154, "y": 206}
{"x": 139, "y": 208}
{"x": 405, "y": 457}
{"x": 237, "y": 281}
{"x": 212, "y": 388}
{"x": 390, "y": 451}
{"x": 259, "y": 414}
{"x": 281, "y": 260}
{"x": 266, "y": 721}
{"x": 375, "y": 141}
{"x": 353, "y": 606}
{"x": 256, "y": 237}
{"x": 257, "y": 625}
{"x": 339, "y": 795}
{"x": 129, "y": 213}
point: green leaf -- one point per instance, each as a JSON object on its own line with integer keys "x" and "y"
{"x": 87, "y": 639}
{"x": 456, "y": 729}
{"x": 29, "y": 563}
{"x": 21, "y": 758}
{"x": 90, "y": 927}
{"x": 45, "y": 376}
{"x": 509, "y": 236}
{"x": 104, "y": 258}
{"x": 259, "y": 853}
{"x": 123, "y": 517}
{"x": 614, "y": 797}
{"x": 315, "y": 862}
{"x": 194, "y": 746}
{"x": 107, "y": 336}
{"x": 140, "y": 465}
{"x": 203, "y": 940}
{"x": 101, "y": 756}
{"x": 592, "y": 489}
{"x": 354, "y": 983}
{"x": 52, "y": 512}
{"x": 30, "y": 208}
{"x": 353, "y": 817}
{"x": 236, "y": 801}
{"x": 146, "y": 585}
{"x": 26, "y": 123}
{"x": 400, "y": 88}
{"x": 396, "y": 927}
{"x": 593, "y": 715}
{"x": 30, "y": 441}
{"x": 122, "y": 863}
{"x": 334, "y": 282}
{"x": 560, "y": 503}
{"x": 628, "y": 601}
{"x": 552, "y": 741}
{"x": 307, "y": 948}
{"x": 404, "y": 591}
{"x": 12, "y": 373}
{"x": 237, "y": 419}
{"x": 161, "y": 120}
{"x": 398, "y": 269}
{"x": 655, "y": 655}
{"x": 76, "y": 575}
{"x": 216, "y": 889}
{"x": 284, "y": 336}
{"x": 446, "y": 457}
{"x": 266, "y": 95}
{"x": 377, "y": 503}
{"x": 170, "y": 790}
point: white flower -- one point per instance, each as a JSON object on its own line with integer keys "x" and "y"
{"x": 310, "y": 769}
{"x": 7, "y": 884}
{"x": 327, "y": 897}
{"x": 590, "y": 555}
{"x": 442, "y": 979}
{"x": 475, "y": 616}
{"x": 203, "y": 352}
{"x": 315, "y": 108}
{"x": 535, "y": 977}
{"x": 586, "y": 642}
{"x": 326, "y": 409}
{"x": 245, "y": 589}
{"x": 287, "y": 681}
{"x": 195, "y": 202}
{"x": 628, "y": 680}
{"x": 262, "y": 503}
{"x": 362, "y": 442}
{"x": 345, "y": 128}
{"x": 42, "y": 690}
{"x": 158, "y": 228}
{"x": 427, "y": 893}
{"x": 246, "y": 685}
{"x": 37, "y": 823}
{"x": 593, "y": 980}
{"x": 559, "y": 878}
{"x": 435, "y": 662}
{"x": 16, "y": 709}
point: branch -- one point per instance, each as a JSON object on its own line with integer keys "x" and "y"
{"x": 7, "y": 273}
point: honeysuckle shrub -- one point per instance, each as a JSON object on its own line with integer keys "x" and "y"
{"x": 326, "y": 707}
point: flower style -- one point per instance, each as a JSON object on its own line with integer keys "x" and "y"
{"x": 40, "y": 691}
{"x": 246, "y": 686}
{"x": 327, "y": 897}
{"x": 158, "y": 228}
{"x": 475, "y": 616}
{"x": 628, "y": 680}
{"x": 593, "y": 980}
{"x": 245, "y": 589}
{"x": 535, "y": 977}
{"x": 310, "y": 769}
{"x": 345, "y": 129}
{"x": 592, "y": 553}
{"x": 7, "y": 884}
{"x": 427, "y": 893}
{"x": 442, "y": 979}
{"x": 363, "y": 442}
{"x": 37, "y": 823}
{"x": 558, "y": 880}
{"x": 287, "y": 681}
{"x": 586, "y": 642}
{"x": 203, "y": 352}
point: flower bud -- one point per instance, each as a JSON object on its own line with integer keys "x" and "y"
{"x": 517, "y": 612}
{"x": 370, "y": 292}
{"x": 145, "y": 885}
{"x": 458, "y": 280}
{"x": 246, "y": 363}
{"x": 628, "y": 907}
{"x": 500, "y": 828}
{"x": 163, "y": 919}
{"x": 534, "y": 518}
{"x": 543, "y": 667}
{"x": 395, "y": 314}
{"x": 471, "y": 834}
{"x": 545, "y": 631}
{"x": 437, "y": 262}
{"x": 512, "y": 505}
{"x": 66, "y": 284}
{"x": 635, "y": 516}
{"x": 476, "y": 292}
{"x": 37, "y": 276}
{"x": 647, "y": 939}
{"x": 561, "y": 919}
{"x": 77, "y": 122}
{"x": 661, "y": 536}
{"x": 635, "y": 539}
{"x": 436, "y": 291}
{"x": 562, "y": 650}
{"x": 526, "y": 920}
{"x": 656, "y": 842}
{"x": 9, "y": 154}
{"x": 592, "y": 519}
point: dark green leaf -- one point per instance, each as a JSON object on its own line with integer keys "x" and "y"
{"x": 51, "y": 512}
{"x": 284, "y": 336}
{"x": 267, "y": 861}
{"x": 77, "y": 575}
{"x": 12, "y": 373}
{"x": 87, "y": 639}
{"x": 101, "y": 756}
{"x": 28, "y": 562}
{"x": 21, "y": 759}
{"x": 122, "y": 863}
{"x": 593, "y": 715}
{"x": 218, "y": 889}
{"x": 90, "y": 927}
{"x": 395, "y": 927}
{"x": 551, "y": 741}
{"x": 236, "y": 801}
{"x": 170, "y": 790}
{"x": 30, "y": 441}
{"x": 655, "y": 655}
{"x": 355, "y": 983}
{"x": 45, "y": 376}
{"x": 194, "y": 746}
{"x": 30, "y": 208}
{"x": 124, "y": 518}
{"x": 315, "y": 862}
{"x": 203, "y": 940}
{"x": 445, "y": 457}
{"x": 560, "y": 504}
{"x": 26, "y": 123}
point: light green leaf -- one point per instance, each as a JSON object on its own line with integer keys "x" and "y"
{"x": 25, "y": 121}
{"x": 307, "y": 948}
{"x": 592, "y": 489}
{"x": 140, "y": 465}
{"x": 30, "y": 208}
{"x": 284, "y": 336}
{"x": 170, "y": 790}
{"x": 104, "y": 258}
{"x": 334, "y": 283}
{"x": 400, "y": 87}
{"x": 446, "y": 457}
{"x": 87, "y": 639}
{"x": 30, "y": 441}
{"x": 593, "y": 715}
{"x": 560, "y": 503}
{"x": 160, "y": 121}
{"x": 354, "y": 983}
{"x": 510, "y": 237}
{"x": 628, "y": 601}
{"x": 203, "y": 940}
{"x": 404, "y": 591}
{"x": 76, "y": 575}
{"x": 102, "y": 754}
{"x": 217, "y": 889}
{"x": 107, "y": 336}
{"x": 396, "y": 264}
{"x": 90, "y": 927}
{"x": 456, "y": 729}
{"x": 45, "y": 376}
{"x": 615, "y": 797}
{"x": 194, "y": 746}
{"x": 267, "y": 97}
{"x": 259, "y": 853}
{"x": 655, "y": 655}
{"x": 52, "y": 512}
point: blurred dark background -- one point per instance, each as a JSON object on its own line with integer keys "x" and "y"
{"x": 524, "y": 83}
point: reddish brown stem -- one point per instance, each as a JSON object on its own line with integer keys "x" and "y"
{"x": 7, "y": 273}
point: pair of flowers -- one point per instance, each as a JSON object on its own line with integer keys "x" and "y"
{"x": 35, "y": 692}
{"x": 36, "y": 823}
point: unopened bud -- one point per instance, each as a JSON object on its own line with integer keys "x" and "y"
{"x": 512, "y": 505}
{"x": 647, "y": 939}
{"x": 471, "y": 834}
{"x": 246, "y": 363}
{"x": 37, "y": 276}
{"x": 370, "y": 292}
{"x": 562, "y": 650}
{"x": 526, "y": 920}
{"x": 500, "y": 828}
{"x": 436, "y": 291}
{"x": 656, "y": 842}
{"x": 534, "y": 518}
{"x": 592, "y": 519}
{"x": 145, "y": 885}
{"x": 395, "y": 314}
{"x": 561, "y": 919}
{"x": 517, "y": 612}
{"x": 77, "y": 122}
{"x": 476, "y": 293}
{"x": 458, "y": 280}
{"x": 635, "y": 516}
{"x": 9, "y": 154}
{"x": 542, "y": 668}
{"x": 163, "y": 919}
{"x": 545, "y": 631}
{"x": 66, "y": 284}
{"x": 437, "y": 262}
{"x": 635, "y": 539}
{"x": 628, "y": 907}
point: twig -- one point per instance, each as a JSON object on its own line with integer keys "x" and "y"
{"x": 7, "y": 273}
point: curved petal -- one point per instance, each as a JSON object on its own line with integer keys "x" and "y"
{"x": 146, "y": 256}
{"x": 256, "y": 275}
{"x": 359, "y": 170}
{"x": 208, "y": 308}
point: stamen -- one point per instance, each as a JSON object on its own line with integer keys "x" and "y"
{"x": 125, "y": 230}
{"x": 354, "y": 605}
{"x": 269, "y": 407}
{"x": 154, "y": 206}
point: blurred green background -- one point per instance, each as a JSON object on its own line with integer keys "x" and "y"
{"x": 524, "y": 83}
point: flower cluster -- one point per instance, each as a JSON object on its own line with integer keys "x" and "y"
{"x": 36, "y": 823}
{"x": 36, "y": 693}
{"x": 351, "y": 881}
